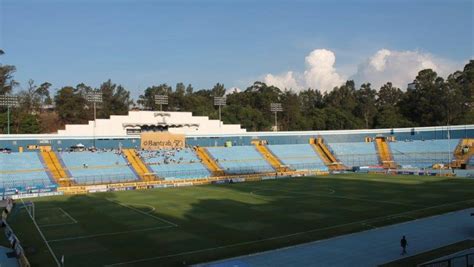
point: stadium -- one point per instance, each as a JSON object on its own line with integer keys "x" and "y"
{"x": 181, "y": 174}
{"x": 236, "y": 133}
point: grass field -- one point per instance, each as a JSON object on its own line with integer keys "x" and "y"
{"x": 180, "y": 226}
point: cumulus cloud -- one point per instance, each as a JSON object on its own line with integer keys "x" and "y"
{"x": 232, "y": 90}
{"x": 286, "y": 80}
{"x": 398, "y": 67}
{"x": 320, "y": 73}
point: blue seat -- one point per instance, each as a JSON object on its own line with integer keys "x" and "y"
{"x": 102, "y": 167}
{"x": 175, "y": 164}
{"x": 355, "y": 153}
{"x": 240, "y": 159}
{"x": 423, "y": 154}
{"x": 298, "y": 156}
{"x": 23, "y": 170}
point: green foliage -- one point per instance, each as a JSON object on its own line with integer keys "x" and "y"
{"x": 433, "y": 101}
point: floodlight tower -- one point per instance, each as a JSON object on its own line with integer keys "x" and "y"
{"x": 220, "y": 101}
{"x": 8, "y": 101}
{"x": 94, "y": 97}
{"x": 275, "y": 108}
{"x": 161, "y": 100}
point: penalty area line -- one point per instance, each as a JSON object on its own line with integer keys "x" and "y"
{"x": 144, "y": 213}
{"x": 362, "y": 222}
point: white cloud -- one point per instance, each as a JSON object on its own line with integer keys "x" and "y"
{"x": 232, "y": 90}
{"x": 321, "y": 73}
{"x": 398, "y": 67}
{"x": 282, "y": 81}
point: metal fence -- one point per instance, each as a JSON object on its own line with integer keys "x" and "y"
{"x": 466, "y": 260}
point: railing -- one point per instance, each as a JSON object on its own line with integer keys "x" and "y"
{"x": 466, "y": 260}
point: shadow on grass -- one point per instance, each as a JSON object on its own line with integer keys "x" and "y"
{"x": 220, "y": 221}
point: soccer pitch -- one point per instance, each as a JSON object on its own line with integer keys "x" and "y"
{"x": 187, "y": 225}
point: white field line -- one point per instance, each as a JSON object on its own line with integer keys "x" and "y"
{"x": 144, "y": 213}
{"x": 152, "y": 209}
{"x": 68, "y": 215}
{"x": 42, "y": 236}
{"x": 109, "y": 234}
{"x": 288, "y": 235}
{"x": 331, "y": 195}
{"x": 73, "y": 221}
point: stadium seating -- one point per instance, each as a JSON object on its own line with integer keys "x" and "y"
{"x": 240, "y": 159}
{"x": 100, "y": 167}
{"x": 355, "y": 153}
{"x": 423, "y": 154}
{"x": 22, "y": 170}
{"x": 298, "y": 156}
{"x": 170, "y": 164}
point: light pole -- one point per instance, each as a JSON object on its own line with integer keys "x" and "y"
{"x": 94, "y": 97}
{"x": 220, "y": 101}
{"x": 8, "y": 101}
{"x": 275, "y": 108}
{"x": 161, "y": 100}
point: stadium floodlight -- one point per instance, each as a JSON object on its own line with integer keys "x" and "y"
{"x": 275, "y": 108}
{"x": 161, "y": 100}
{"x": 8, "y": 101}
{"x": 220, "y": 101}
{"x": 94, "y": 97}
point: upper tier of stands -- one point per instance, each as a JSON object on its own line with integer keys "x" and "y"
{"x": 23, "y": 170}
{"x": 170, "y": 164}
{"x": 93, "y": 167}
{"x": 355, "y": 153}
{"x": 423, "y": 154}
{"x": 240, "y": 159}
{"x": 298, "y": 157}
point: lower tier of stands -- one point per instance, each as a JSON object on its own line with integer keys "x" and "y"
{"x": 355, "y": 154}
{"x": 175, "y": 164}
{"x": 240, "y": 159}
{"x": 298, "y": 156}
{"x": 423, "y": 154}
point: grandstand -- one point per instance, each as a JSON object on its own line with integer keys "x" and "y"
{"x": 177, "y": 152}
{"x": 423, "y": 154}
{"x": 211, "y": 149}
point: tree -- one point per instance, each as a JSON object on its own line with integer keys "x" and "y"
{"x": 365, "y": 107}
{"x": 71, "y": 105}
{"x": 43, "y": 92}
{"x": 147, "y": 100}
{"x": 115, "y": 100}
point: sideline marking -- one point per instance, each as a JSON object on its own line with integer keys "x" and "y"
{"x": 142, "y": 212}
{"x": 296, "y": 234}
{"x": 42, "y": 236}
{"x": 108, "y": 234}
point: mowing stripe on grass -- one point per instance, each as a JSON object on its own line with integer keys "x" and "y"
{"x": 42, "y": 235}
{"x": 363, "y": 222}
{"x": 331, "y": 195}
{"x": 144, "y": 213}
{"x": 109, "y": 234}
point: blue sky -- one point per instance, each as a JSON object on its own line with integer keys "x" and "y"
{"x": 141, "y": 43}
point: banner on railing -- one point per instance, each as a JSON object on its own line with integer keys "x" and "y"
{"x": 155, "y": 140}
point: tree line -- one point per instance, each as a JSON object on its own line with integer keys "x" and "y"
{"x": 430, "y": 101}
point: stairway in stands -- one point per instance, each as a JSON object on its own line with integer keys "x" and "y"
{"x": 325, "y": 154}
{"x": 209, "y": 162}
{"x": 384, "y": 153}
{"x": 460, "y": 156}
{"x": 138, "y": 165}
{"x": 55, "y": 168}
{"x": 269, "y": 156}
